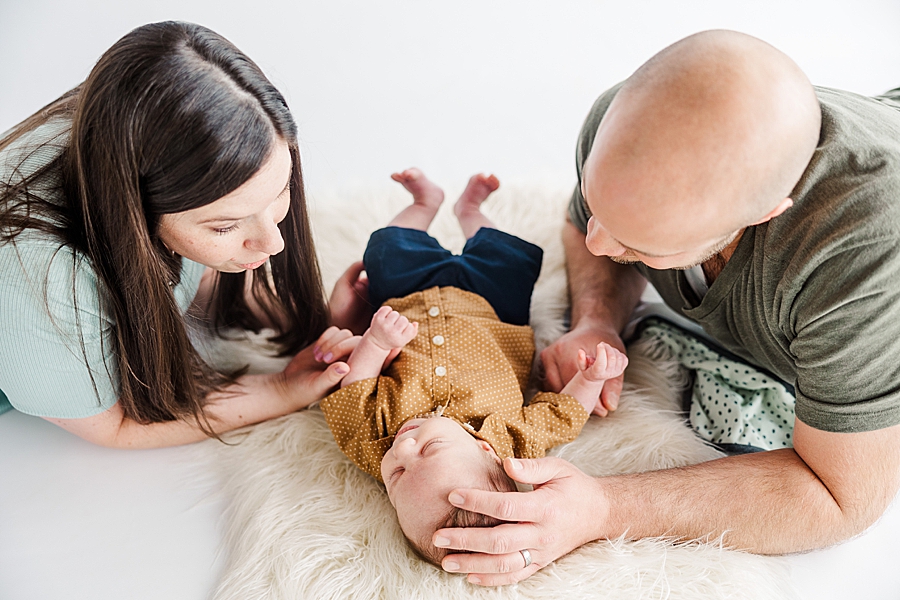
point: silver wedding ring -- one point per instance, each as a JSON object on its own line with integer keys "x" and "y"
{"x": 527, "y": 556}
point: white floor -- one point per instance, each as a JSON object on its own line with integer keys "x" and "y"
{"x": 454, "y": 88}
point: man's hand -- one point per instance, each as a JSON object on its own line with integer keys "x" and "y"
{"x": 549, "y": 522}
{"x": 349, "y": 302}
{"x": 604, "y": 364}
{"x": 560, "y": 362}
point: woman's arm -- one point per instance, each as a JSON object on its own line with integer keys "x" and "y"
{"x": 251, "y": 399}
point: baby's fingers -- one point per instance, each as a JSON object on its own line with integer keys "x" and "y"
{"x": 616, "y": 361}
{"x": 601, "y": 362}
{"x": 381, "y": 314}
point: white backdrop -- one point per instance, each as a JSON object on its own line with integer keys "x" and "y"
{"x": 453, "y": 87}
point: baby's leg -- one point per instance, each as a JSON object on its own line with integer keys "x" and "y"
{"x": 468, "y": 207}
{"x": 427, "y": 198}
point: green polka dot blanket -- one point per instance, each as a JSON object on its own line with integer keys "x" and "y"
{"x": 731, "y": 402}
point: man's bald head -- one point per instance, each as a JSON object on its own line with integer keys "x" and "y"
{"x": 707, "y": 137}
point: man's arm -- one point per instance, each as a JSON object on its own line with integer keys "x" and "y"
{"x": 603, "y": 296}
{"x": 832, "y": 486}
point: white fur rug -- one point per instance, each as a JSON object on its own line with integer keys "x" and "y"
{"x": 304, "y": 523}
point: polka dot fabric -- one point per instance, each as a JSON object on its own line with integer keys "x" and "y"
{"x": 731, "y": 403}
{"x": 464, "y": 362}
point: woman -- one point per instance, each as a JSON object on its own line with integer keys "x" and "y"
{"x": 169, "y": 180}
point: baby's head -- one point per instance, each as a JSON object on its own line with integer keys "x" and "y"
{"x": 430, "y": 458}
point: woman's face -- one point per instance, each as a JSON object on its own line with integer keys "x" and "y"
{"x": 238, "y": 231}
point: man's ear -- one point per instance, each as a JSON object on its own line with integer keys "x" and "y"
{"x": 782, "y": 206}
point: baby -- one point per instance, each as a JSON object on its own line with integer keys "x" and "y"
{"x": 444, "y": 412}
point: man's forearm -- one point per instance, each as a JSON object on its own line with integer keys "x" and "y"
{"x": 767, "y": 502}
{"x": 600, "y": 290}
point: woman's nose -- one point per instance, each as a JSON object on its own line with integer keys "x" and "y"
{"x": 268, "y": 239}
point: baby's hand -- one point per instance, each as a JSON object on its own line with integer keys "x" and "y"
{"x": 608, "y": 363}
{"x": 390, "y": 330}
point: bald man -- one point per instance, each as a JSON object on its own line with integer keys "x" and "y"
{"x": 767, "y": 211}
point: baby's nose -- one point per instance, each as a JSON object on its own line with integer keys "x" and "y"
{"x": 405, "y": 448}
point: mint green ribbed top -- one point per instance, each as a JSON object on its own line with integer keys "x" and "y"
{"x": 52, "y": 341}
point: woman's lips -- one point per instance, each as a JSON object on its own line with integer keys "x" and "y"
{"x": 252, "y": 266}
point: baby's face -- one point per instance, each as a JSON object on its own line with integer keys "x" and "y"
{"x": 430, "y": 458}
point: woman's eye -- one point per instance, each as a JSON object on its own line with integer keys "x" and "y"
{"x": 225, "y": 230}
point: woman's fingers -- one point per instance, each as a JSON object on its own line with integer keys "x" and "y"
{"x": 305, "y": 381}
{"x": 340, "y": 349}
{"x": 320, "y": 383}
{"x": 334, "y": 344}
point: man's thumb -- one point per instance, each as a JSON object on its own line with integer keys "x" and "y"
{"x": 534, "y": 471}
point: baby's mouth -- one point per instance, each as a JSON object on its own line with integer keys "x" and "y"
{"x": 405, "y": 428}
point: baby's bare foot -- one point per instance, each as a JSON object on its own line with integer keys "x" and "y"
{"x": 423, "y": 190}
{"x": 480, "y": 186}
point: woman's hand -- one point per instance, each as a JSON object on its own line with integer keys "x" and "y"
{"x": 334, "y": 344}
{"x": 318, "y": 368}
{"x": 349, "y": 303}
{"x": 566, "y": 509}
{"x": 251, "y": 399}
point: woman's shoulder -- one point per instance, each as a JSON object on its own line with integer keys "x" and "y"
{"x": 39, "y": 272}
{"x": 55, "y": 334}
{"x": 32, "y": 150}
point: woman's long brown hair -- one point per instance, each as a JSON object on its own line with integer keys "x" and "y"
{"x": 171, "y": 118}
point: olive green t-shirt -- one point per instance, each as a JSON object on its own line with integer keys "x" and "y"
{"x": 814, "y": 294}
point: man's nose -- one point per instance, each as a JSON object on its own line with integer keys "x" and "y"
{"x": 599, "y": 242}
